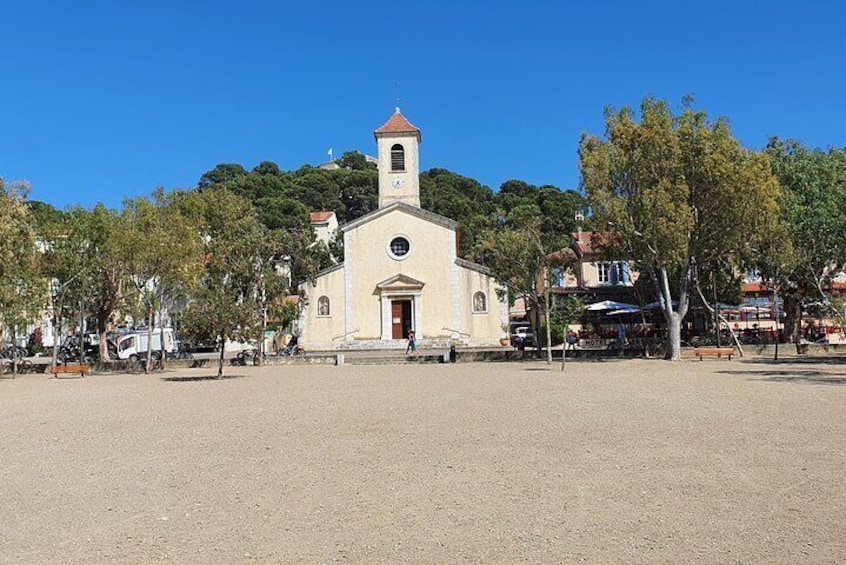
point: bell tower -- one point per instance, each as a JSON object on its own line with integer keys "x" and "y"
{"x": 399, "y": 164}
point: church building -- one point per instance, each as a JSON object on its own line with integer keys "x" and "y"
{"x": 401, "y": 271}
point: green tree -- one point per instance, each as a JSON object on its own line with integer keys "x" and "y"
{"x": 162, "y": 249}
{"x": 22, "y": 290}
{"x": 814, "y": 216}
{"x": 518, "y": 256}
{"x": 222, "y": 173}
{"x": 44, "y": 214}
{"x": 359, "y": 192}
{"x": 64, "y": 263}
{"x": 235, "y": 251}
{"x": 557, "y": 209}
{"x": 567, "y": 312}
{"x": 680, "y": 193}
{"x": 281, "y": 213}
{"x": 105, "y": 267}
{"x": 356, "y": 161}
{"x": 461, "y": 198}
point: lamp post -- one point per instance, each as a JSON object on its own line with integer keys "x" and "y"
{"x": 81, "y": 333}
{"x": 716, "y": 309}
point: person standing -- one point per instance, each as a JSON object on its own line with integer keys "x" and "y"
{"x": 412, "y": 344}
{"x": 572, "y": 340}
{"x": 622, "y": 340}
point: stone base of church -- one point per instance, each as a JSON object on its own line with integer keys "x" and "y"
{"x": 400, "y": 344}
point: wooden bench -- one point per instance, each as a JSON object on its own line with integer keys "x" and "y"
{"x": 714, "y": 351}
{"x": 70, "y": 369}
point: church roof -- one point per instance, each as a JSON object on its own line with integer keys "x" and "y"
{"x": 328, "y": 270}
{"x": 398, "y": 124}
{"x": 408, "y": 208}
{"x": 473, "y": 266}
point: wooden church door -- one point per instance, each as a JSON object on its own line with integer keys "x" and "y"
{"x": 400, "y": 318}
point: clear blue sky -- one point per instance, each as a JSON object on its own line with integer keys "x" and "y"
{"x": 103, "y": 100}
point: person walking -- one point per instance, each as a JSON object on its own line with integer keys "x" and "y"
{"x": 412, "y": 344}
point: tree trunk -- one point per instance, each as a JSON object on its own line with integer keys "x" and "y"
{"x": 775, "y": 301}
{"x": 563, "y": 355}
{"x": 220, "y": 361}
{"x": 14, "y": 354}
{"x": 793, "y": 319}
{"x": 57, "y": 323}
{"x": 149, "y": 364}
{"x": 162, "y": 349}
{"x": 673, "y": 318}
{"x": 103, "y": 329}
{"x": 548, "y": 329}
{"x": 674, "y": 337}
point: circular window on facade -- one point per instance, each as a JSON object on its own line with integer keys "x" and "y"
{"x": 399, "y": 247}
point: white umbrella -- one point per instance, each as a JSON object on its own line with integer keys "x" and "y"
{"x": 623, "y": 311}
{"x": 611, "y": 305}
{"x": 656, "y": 304}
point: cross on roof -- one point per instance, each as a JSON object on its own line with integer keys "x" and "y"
{"x": 399, "y": 99}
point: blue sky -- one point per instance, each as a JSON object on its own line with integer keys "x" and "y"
{"x": 104, "y": 100}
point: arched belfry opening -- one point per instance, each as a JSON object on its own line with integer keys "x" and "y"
{"x": 397, "y": 158}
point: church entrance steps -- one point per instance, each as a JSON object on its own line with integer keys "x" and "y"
{"x": 398, "y": 344}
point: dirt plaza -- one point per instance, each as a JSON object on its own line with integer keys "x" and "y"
{"x": 614, "y": 461}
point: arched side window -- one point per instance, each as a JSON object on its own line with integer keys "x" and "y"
{"x": 480, "y": 302}
{"x": 397, "y": 158}
{"x": 323, "y": 306}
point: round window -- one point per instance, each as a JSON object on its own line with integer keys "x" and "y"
{"x": 399, "y": 247}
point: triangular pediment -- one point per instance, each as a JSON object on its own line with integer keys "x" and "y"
{"x": 400, "y": 282}
{"x": 402, "y": 207}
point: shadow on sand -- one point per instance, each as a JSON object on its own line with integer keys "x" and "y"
{"x": 810, "y": 360}
{"x": 792, "y": 376}
{"x": 197, "y": 378}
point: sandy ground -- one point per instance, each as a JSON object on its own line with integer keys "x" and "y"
{"x": 608, "y": 462}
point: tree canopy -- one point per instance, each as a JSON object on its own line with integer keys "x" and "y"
{"x": 20, "y": 284}
{"x": 680, "y": 194}
{"x": 814, "y": 225}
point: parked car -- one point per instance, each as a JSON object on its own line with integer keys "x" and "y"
{"x": 134, "y": 345}
{"x": 524, "y": 336}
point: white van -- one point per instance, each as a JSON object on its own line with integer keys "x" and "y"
{"x": 133, "y": 345}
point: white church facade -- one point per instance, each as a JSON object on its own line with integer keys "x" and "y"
{"x": 401, "y": 271}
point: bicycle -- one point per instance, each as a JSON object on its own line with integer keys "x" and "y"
{"x": 13, "y": 352}
{"x": 24, "y": 366}
{"x": 292, "y": 351}
{"x": 246, "y": 356}
{"x": 181, "y": 353}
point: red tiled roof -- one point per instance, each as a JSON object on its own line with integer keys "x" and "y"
{"x": 562, "y": 254}
{"x": 398, "y": 124}
{"x": 320, "y": 217}
{"x": 754, "y": 287}
{"x": 589, "y": 242}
